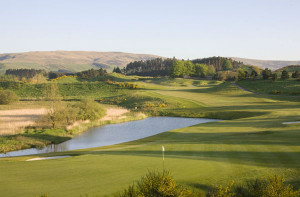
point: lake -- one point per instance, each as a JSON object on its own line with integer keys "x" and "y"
{"x": 115, "y": 134}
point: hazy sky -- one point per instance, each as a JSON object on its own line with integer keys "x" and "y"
{"x": 261, "y": 29}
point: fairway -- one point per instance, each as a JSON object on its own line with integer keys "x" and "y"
{"x": 250, "y": 143}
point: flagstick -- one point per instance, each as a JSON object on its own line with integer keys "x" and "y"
{"x": 163, "y": 161}
{"x": 163, "y": 153}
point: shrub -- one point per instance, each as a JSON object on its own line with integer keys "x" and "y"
{"x": 158, "y": 185}
{"x": 90, "y": 110}
{"x": 7, "y": 97}
{"x": 222, "y": 191}
{"x": 276, "y": 92}
{"x": 272, "y": 187}
{"x": 59, "y": 114}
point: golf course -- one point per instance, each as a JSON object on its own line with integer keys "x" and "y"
{"x": 250, "y": 142}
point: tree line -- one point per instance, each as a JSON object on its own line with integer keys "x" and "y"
{"x": 26, "y": 74}
{"x": 153, "y": 67}
{"x": 267, "y": 74}
{"x": 179, "y": 68}
{"x": 218, "y": 62}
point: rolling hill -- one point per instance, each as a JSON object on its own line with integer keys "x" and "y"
{"x": 75, "y": 61}
{"x": 68, "y": 60}
{"x": 271, "y": 64}
{"x": 290, "y": 68}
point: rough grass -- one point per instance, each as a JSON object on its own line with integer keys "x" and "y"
{"x": 257, "y": 145}
{"x": 14, "y": 121}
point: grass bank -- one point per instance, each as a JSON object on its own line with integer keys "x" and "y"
{"x": 278, "y": 87}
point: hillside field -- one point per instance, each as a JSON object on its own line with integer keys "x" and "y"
{"x": 71, "y": 61}
{"x": 290, "y": 87}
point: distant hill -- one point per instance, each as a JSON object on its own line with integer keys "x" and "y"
{"x": 291, "y": 68}
{"x": 68, "y": 60}
{"x": 271, "y": 64}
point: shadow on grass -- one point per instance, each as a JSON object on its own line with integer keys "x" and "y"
{"x": 273, "y": 157}
{"x": 270, "y": 96}
{"x": 47, "y": 137}
{"x": 224, "y": 113}
{"x": 200, "y": 186}
{"x": 253, "y": 158}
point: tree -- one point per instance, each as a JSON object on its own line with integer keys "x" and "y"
{"x": 54, "y": 75}
{"x": 266, "y": 74}
{"x": 211, "y": 71}
{"x": 254, "y": 74}
{"x": 226, "y": 76}
{"x": 56, "y": 108}
{"x": 241, "y": 74}
{"x": 189, "y": 68}
{"x": 285, "y": 74}
{"x": 274, "y": 77}
{"x": 227, "y": 65}
{"x": 296, "y": 74}
{"x": 152, "y": 67}
{"x": 217, "y": 62}
{"x": 177, "y": 69}
{"x": 201, "y": 70}
{"x": 91, "y": 73}
{"x": 7, "y": 97}
{"x": 117, "y": 70}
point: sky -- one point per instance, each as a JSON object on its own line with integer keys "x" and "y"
{"x": 189, "y": 29}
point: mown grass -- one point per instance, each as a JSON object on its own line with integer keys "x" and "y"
{"x": 251, "y": 143}
{"x": 280, "y": 87}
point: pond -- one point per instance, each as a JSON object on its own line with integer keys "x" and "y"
{"x": 115, "y": 134}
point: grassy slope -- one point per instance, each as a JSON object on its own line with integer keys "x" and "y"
{"x": 285, "y": 87}
{"x": 200, "y": 156}
{"x": 290, "y": 69}
{"x": 271, "y": 64}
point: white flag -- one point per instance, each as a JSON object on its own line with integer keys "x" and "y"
{"x": 163, "y": 148}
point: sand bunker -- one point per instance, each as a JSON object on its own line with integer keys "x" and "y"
{"x": 47, "y": 158}
{"x": 291, "y": 122}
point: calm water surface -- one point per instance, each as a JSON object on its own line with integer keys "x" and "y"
{"x": 115, "y": 134}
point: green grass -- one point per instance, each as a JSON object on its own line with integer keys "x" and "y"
{"x": 251, "y": 143}
{"x": 283, "y": 87}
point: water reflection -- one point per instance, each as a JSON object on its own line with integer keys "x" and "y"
{"x": 115, "y": 134}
